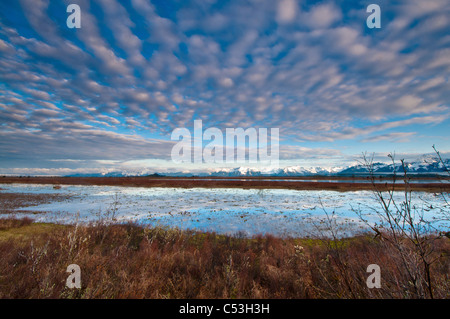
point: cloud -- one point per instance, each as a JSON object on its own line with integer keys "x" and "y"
{"x": 357, "y": 132}
{"x": 286, "y": 11}
{"x": 289, "y": 152}
{"x": 86, "y": 142}
{"x": 126, "y": 40}
{"x": 397, "y": 137}
{"x": 322, "y": 16}
{"x": 137, "y": 70}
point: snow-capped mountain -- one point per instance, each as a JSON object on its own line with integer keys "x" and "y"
{"x": 286, "y": 171}
{"x": 424, "y": 165}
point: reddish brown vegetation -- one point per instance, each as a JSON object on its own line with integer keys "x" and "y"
{"x": 12, "y": 202}
{"x": 218, "y": 182}
{"x": 127, "y": 261}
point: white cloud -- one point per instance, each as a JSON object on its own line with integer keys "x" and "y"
{"x": 286, "y": 11}
{"x": 226, "y": 82}
{"x": 315, "y": 77}
{"x": 409, "y": 102}
{"x": 322, "y": 16}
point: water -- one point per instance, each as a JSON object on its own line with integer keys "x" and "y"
{"x": 248, "y": 212}
{"x": 376, "y": 181}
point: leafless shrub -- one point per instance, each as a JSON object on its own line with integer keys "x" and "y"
{"x": 404, "y": 232}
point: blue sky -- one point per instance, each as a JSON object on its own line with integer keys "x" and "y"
{"x": 107, "y": 96}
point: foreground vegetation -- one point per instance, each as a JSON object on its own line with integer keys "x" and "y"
{"x": 129, "y": 261}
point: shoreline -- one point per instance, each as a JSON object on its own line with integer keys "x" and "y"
{"x": 295, "y": 183}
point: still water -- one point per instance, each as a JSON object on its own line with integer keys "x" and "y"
{"x": 248, "y": 212}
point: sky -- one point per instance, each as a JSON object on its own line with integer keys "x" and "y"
{"x": 107, "y": 96}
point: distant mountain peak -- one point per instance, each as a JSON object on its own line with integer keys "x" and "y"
{"x": 423, "y": 165}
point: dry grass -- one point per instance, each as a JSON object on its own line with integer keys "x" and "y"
{"x": 128, "y": 261}
{"x": 225, "y": 182}
{"x": 11, "y": 203}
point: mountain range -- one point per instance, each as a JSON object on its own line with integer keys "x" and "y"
{"x": 426, "y": 165}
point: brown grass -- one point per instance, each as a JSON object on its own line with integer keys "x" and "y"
{"x": 128, "y": 261}
{"x": 12, "y": 202}
{"x": 224, "y": 182}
